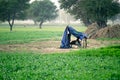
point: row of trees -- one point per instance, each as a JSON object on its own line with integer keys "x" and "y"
{"x": 90, "y": 11}
{"x": 38, "y": 11}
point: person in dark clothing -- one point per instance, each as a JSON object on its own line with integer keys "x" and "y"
{"x": 65, "y": 42}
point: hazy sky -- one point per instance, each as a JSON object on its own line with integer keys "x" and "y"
{"x": 56, "y": 3}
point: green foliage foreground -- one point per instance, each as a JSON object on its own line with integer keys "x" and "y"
{"x": 93, "y": 64}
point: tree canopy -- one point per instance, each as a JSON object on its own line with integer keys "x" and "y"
{"x": 41, "y": 11}
{"x": 90, "y": 11}
{"x": 12, "y": 9}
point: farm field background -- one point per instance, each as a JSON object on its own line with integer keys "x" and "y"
{"x": 21, "y": 34}
{"x": 81, "y": 64}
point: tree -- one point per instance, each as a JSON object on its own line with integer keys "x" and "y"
{"x": 12, "y": 9}
{"x": 90, "y": 11}
{"x": 41, "y": 11}
{"x": 74, "y": 8}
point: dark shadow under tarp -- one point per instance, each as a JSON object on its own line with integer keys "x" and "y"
{"x": 65, "y": 42}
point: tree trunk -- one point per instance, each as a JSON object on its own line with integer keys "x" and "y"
{"x": 11, "y": 22}
{"x": 87, "y": 22}
{"x": 11, "y": 27}
{"x": 35, "y": 22}
{"x": 40, "y": 25}
{"x": 102, "y": 24}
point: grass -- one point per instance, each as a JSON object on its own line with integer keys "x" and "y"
{"x": 27, "y": 34}
{"x": 94, "y": 64}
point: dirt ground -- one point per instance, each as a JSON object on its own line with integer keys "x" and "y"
{"x": 52, "y": 46}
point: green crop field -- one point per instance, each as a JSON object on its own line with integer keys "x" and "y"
{"x": 84, "y": 64}
{"x": 27, "y": 34}
{"x": 22, "y": 34}
{"x": 99, "y": 64}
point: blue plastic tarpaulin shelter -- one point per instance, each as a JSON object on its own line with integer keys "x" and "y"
{"x": 65, "y": 42}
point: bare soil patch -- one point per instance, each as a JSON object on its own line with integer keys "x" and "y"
{"x": 52, "y": 46}
{"x": 42, "y": 47}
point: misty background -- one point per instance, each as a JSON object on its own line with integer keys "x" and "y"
{"x": 63, "y": 17}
